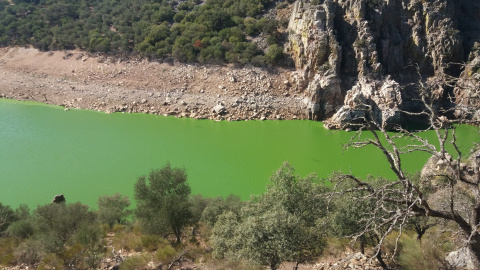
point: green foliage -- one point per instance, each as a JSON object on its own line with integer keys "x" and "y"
{"x": 165, "y": 254}
{"x": 163, "y": 205}
{"x": 7, "y": 247}
{"x": 274, "y": 54}
{"x": 113, "y": 209}
{"x": 51, "y": 262}
{"x": 58, "y": 223}
{"x": 155, "y": 29}
{"x": 350, "y": 214}
{"x": 135, "y": 262}
{"x": 21, "y": 229}
{"x": 198, "y": 205}
{"x": 218, "y": 206}
{"x": 22, "y": 212}
{"x": 283, "y": 224}
{"x": 127, "y": 240}
{"x": 29, "y": 252}
{"x": 6, "y": 218}
{"x": 416, "y": 255}
{"x": 151, "y": 242}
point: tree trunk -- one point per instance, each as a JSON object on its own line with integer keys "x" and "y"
{"x": 474, "y": 248}
{"x": 362, "y": 246}
{"x": 420, "y": 234}
{"x": 380, "y": 260}
{"x": 178, "y": 236}
{"x": 295, "y": 267}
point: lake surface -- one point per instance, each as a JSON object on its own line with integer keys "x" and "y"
{"x": 82, "y": 154}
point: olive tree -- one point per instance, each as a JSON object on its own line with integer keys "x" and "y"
{"x": 218, "y": 206}
{"x": 163, "y": 205}
{"x": 283, "y": 224}
{"x": 113, "y": 209}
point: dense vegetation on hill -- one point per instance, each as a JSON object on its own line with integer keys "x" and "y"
{"x": 192, "y": 30}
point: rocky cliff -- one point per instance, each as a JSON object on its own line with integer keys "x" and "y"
{"x": 357, "y": 55}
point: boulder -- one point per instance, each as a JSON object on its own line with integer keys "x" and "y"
{"x": 381, "y": 100}
{"x": 460, "y": 259}
{"x": 58, "y": 199}
{"x": 219, "y": 109}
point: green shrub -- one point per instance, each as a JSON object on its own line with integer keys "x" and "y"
{"x": 21, "y": 229}
{"x": 73, "y": 255}
{"x": 135, "y": 262}
{"x": 51, "y": 262}
{"x": 274, "y": 54}
{"x": 128, "y": 241}
{"x": 7, "y": 215}
{"x": 151, "y": 242}
{"x": 166, "y": 254}
{"x": 29, "y": 252}
{"x": 114, "y": 209}
{"x": 416, "y": 255}
{"x": 117, "y": 228}
{"x": 337, "y": 246}
{"x": 7, "y": 247}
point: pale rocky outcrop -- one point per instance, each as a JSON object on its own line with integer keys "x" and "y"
{"x": 381, "y": 99}
{"x": 352, "y": 51}
{"x": 460, "y": 259}
{"x": 467, "y": 88}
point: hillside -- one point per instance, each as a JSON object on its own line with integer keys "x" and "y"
{"x": 336, "y": 61}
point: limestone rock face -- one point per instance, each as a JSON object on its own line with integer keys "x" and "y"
{"x": 316, "y": 53}
{"x": 341, "y": 46}
{"x": 382, "y": 98}
{"x": 467, "y": 88}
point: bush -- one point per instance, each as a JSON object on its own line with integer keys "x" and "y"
{"x": 7, "y": 247}
{"x": 151, "y": 242}
{"x": 259, "y": 61}
{"x": 51, "y": 262}
{"x": 274, "y": 54}
{"x": 416, "y": 255}
{"x": 166, "y": 254}
{"x": 135, "y": 262}
{"x": 21, "y": 229}
{"x": 58, "y": 223}
{"x": 113, "y": 209}
{"x": 128, "y": 240}
{"x": 6, "y": 218}
{"x": 29, "y": 252}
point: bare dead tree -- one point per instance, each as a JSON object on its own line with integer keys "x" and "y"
{"x": 456, "y": 199}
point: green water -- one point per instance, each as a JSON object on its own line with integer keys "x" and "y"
{"x": 45, "y": 150}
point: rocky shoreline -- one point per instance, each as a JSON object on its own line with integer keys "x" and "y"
{"x": 75, "y": 79}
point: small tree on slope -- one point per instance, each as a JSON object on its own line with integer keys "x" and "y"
{"x": 163, "y": 205}
{"x": 283, "y": 224}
